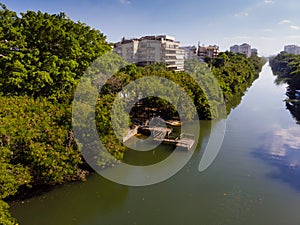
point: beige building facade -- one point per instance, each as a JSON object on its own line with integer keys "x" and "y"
{"x": 150, "y": 49}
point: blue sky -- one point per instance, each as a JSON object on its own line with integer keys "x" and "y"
{"x": 267, "y": 25}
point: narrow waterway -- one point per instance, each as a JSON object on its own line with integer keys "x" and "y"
{"x": 255, "y": 178}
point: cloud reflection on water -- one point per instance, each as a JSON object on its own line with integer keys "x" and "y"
{"x": 281, "y": 149}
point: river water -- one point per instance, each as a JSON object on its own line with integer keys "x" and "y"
{"x": 255, "y": 178}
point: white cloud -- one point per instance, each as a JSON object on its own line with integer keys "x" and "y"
{"x": 267, "y": 38}
{"x": 125, "y": 2}
{"x": 267, "y": 30}
{"x": 241, "y": 14}
{"x": 294, "y": 27}
{"x": 290, "y": 137}
{"x": 268, "y": 1}
{"x": 284, "y": 22}
{"x": 297, "y": 37}
{"x": 241, "y": 38}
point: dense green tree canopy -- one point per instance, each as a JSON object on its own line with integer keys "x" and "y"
{"x": 287, "y": 68}
{"x": 45, "y": 55}
{"x": 235, "y": 73}
{"x": 42, "y": 58}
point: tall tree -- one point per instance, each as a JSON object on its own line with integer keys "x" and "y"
{"x": 45, "y": 55}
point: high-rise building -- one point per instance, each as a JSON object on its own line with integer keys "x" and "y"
{"x": 243, "y": 48}
{"x": 292, "y": 49}
{"x": 235, "y": 48}
{"x": 254, "y": 52}
{"x": 210, "y": 51}
{"x": 150, "y": 49}
{"x": 190, "y": 52}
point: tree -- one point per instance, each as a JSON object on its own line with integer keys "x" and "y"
{"x": 287, "y": 68}
{"x": 45, "y": 55}
{"x": 42, "y": 58}
{"x": 37, "y": 134}
{"x": 5, "y": 217}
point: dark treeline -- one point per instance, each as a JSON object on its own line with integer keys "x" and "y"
{"x": 42, "y": 59}
{"x": 287, "y": 69}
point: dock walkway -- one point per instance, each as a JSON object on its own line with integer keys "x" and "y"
{"x": 162, "y": 134}
{"x": 184, "y": 142}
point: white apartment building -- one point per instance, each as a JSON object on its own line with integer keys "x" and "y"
{"x": 150, "y": 49}
{"x": 292, "y": 49}
{"x": 243, "y": 48}
{"x": 201, "y": 52}
{"x": 235, "y": 48}
{"x": 190, "y": 52}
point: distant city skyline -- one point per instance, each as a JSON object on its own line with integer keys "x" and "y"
{"x": 267, "y": 25}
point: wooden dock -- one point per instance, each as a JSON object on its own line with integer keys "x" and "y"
{"x": 184, "y": 142}
{"x": 173, "y": 123}
{"x": 130, "y": 133}
{"x": 162, "y": 134}
{"x": 158, "y": 132}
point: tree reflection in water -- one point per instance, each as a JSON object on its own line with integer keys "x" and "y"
{"x": 293, "y": 103}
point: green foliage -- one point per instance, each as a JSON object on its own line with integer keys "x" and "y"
{"x": 5, "y": 217}
{"x": 105, "y": 129}
{"x": 207, "y": 93}
{"x": 287, "y": 68}
{"x": 38, "y": 135}
{"x": 12, "y": 177}
{"x": 235, "y": 73}
{"x": 37, "y": 145}
{"x": 42, "y": 58}
{"x": 45, "y": 55}
{"x": 84, "y": 110}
